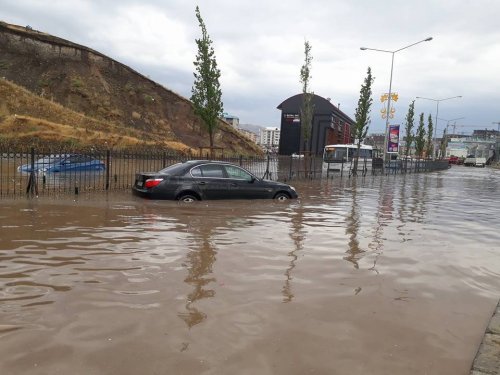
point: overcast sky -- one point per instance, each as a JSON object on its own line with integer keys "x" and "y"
{"x": 259, "y": 46}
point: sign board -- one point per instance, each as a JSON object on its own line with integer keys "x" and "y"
{"x": 393, "y": 141}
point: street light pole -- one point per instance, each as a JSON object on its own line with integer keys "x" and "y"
{"x": 437, "y": 112}
{"x": 386, "y": 142}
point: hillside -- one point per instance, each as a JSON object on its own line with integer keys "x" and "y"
{"x": 90, "y": 97}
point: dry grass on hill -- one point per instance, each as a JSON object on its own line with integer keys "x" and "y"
{"x": 26, "y": 118}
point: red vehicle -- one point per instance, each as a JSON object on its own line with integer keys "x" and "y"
{"x": 453, "y": 160}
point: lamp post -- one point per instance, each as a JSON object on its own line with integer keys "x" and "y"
{"x": 437, "y": 111}
{"x": 390, "y": 88}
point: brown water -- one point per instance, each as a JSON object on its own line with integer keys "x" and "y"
{"x": 394, "y": 275}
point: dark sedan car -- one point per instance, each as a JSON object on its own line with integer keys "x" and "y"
{"x": 202, "y": 179}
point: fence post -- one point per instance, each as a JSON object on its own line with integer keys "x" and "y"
{"x": 32, "y": 187}
{"x": 267, "y": 174}
{"x": 108, "y": 156}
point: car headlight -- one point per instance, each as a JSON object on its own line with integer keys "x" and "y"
{"x": 291, "y": 187}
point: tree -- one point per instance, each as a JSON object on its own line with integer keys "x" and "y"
{"x": 420, "y": 137}
{"x": 444, "y": 144}
{"x": 362, "y": 116}
{"x": 206, "y": 93}
{"x": 430, "y": 145}
{"x": 408, "y": 129}
{"x": 307, "y": 109}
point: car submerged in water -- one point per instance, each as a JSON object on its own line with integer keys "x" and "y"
{"x": 196, "y": 180}
{"x": 64, "y": 163}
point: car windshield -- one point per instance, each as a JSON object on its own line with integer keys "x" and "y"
{"x": 174, "y": 169}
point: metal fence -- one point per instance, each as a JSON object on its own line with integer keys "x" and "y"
{"x": 120, "y": 167}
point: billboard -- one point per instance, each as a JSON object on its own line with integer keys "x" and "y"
{"x": 393, "y": 141}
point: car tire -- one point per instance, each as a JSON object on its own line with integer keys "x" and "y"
{"x": 281, "y": 196}
{"x": 188, "y": 198}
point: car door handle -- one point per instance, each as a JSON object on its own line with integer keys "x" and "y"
{"x": 234, "y": 184}
{"x": 201, "y": 183}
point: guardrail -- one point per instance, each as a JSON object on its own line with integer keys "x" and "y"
{"x": 23, "y": 173}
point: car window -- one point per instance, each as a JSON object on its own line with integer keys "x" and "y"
{"x": 49, "y": 159}
{"x": 174, "y": 169}
{"x": 212, "y": 170}
{"x": 196, "y": 172}
{"x": 78, "y": 159}
{"x": 235, "y": 172}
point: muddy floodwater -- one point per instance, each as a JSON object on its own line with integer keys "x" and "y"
{"x": 381, "y": 275}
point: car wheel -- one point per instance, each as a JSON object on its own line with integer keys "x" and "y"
{"x": 188, "y": 198}
{"x": 282, "y": 196}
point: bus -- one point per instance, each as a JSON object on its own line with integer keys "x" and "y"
{"x": 341, "y": 158}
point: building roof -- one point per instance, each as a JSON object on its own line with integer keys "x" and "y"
{"x": 318, "y": 101}
{"x": 227, "y": 115}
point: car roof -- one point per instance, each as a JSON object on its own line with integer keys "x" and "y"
{"x": 195, "y": 162}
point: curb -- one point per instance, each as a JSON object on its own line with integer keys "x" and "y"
{"x": 487, "y": 361}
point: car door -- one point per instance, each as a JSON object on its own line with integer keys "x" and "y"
{"x": 243, "y": 185}
{"x": 211, "y": 181}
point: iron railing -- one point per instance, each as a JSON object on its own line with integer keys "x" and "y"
{"x": 120, "y": 168}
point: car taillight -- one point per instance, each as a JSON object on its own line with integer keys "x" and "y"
{"x": 152, "y": 182}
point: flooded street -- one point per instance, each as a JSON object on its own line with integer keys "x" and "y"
{"x": 382, "y": 275}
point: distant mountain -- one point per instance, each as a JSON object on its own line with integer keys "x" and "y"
{"x": 120, "y": 101}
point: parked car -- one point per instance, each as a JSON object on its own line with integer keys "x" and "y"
{"x": 64, "y": 163}
{"x": 201, "y": 179}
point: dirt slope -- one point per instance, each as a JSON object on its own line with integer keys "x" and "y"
{"x": 122, "y": 101}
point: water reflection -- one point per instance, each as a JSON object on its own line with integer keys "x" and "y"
{"x": 199, "y": 263}
{"x": 298, "y": 235}
{"x": 354, "y": 252}
{"x": 376, "y": 245}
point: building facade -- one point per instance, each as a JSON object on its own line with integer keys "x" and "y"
{"x": 269, "y": 138}
{"x": 329, "y": 126}
{"x": 231, "y": 119}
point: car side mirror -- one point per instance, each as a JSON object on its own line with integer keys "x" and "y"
{"x": 252, "y": 180}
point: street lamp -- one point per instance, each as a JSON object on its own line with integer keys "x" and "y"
{"x": 437, "y": 110}
{"x": 390, "y": 87}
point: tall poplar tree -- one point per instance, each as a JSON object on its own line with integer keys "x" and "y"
{"x": 362, "y": 116}
{"x": 444, "y": 143}
{"x": 409, "y": 128}
{"x": 430, "y": 146}
{"x": 420, "y": 137}
{"x": 206, "y": 92}
{"x": 307, "y": 109}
